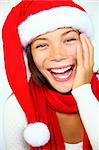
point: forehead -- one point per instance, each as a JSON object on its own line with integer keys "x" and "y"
{"x": 58, "y": 31}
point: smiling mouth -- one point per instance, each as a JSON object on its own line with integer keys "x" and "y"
{"x": 62, "y": 73}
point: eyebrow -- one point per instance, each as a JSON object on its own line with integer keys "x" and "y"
{"x": 65, "y": 33}
{"x": 37, "y": 39}
{"x": 40, "y": 39}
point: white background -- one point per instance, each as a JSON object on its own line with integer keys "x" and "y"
{"x": 91, "y": 6}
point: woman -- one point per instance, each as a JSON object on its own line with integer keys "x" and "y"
{"x": 60, "y": 59}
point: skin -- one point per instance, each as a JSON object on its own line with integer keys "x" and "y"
{"x": 85, "y": 62}
{"x": 57, "y": 49}
{"x": 52, "y": 50}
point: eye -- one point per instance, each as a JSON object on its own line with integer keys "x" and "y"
{"x": 69, "y": 40}
{"x": 41, "y": 45}
{"x": 72, "y": 39}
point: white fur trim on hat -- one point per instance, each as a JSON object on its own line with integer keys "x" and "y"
{"x": 49, "y": 20}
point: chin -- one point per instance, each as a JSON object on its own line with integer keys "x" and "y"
{"x": 63, "y": 89}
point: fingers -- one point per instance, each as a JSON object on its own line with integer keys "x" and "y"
{"x": 79, "y": 56}
{"x": 85, "y": 49}
{"x": 85, "y": 59}
{"x": 88, "y": 51}
{"x": 91, "y": 51}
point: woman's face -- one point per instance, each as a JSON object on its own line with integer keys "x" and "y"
{"x": 54, "y": 54}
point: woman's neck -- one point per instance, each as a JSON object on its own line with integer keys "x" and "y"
{"x": 71, "y": 127}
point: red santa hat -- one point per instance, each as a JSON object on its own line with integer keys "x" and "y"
{"x": 50, "y": 16}
{"x": 26, "y": 21}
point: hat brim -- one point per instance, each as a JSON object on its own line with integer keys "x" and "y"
{"x": 49, "y": 20}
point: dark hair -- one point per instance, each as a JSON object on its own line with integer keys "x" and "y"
{"x": 35, "y": 73}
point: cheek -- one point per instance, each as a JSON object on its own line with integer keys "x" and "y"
{"x": 38, "y": 58}
{"x": 71, "y": 49}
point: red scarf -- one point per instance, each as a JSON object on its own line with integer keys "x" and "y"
{"x": 47, "y": 103}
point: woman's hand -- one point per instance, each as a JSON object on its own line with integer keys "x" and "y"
{"x": 85, "y": 62}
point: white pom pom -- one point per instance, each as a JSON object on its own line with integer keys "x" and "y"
{"x": 37, "y": 134}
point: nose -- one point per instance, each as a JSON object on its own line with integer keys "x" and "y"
{"x": 57, "y": 53}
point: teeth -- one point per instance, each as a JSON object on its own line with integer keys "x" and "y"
{"x": 63, "y": 76}
{"x": 62, "y": 70}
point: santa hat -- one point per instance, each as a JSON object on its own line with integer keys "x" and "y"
{"x": 26, "y": 21}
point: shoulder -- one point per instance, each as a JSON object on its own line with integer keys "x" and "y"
{"x": 14, "y": 124}
{"x": 13, "y": 108}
